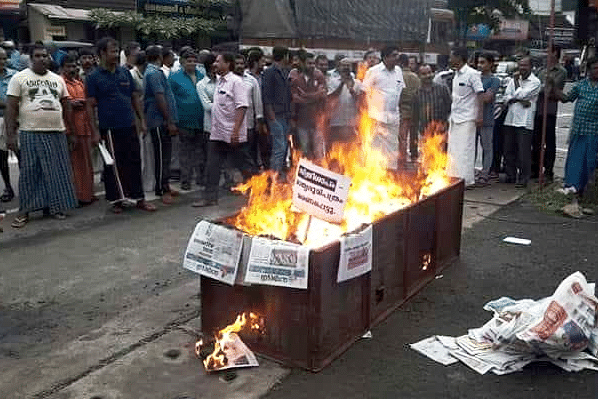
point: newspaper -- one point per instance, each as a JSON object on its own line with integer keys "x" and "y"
{"x": 277, "y": 263}
{"x": 214, "y": 251}
{"x": 356, "y": 254}
{"x": 434, "y": 349}
{"x": 236, "y": 355}
{"x": 559, "y": 329}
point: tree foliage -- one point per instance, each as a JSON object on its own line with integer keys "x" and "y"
{"x": 164, "y": 26}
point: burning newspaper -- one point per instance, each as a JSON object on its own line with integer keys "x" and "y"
{"x": 557, "y": 329}
{"x": 228, "y": 350}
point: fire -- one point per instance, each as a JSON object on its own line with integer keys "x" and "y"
{"x": 217, "y": 359}
{"x": 375, "y": 191}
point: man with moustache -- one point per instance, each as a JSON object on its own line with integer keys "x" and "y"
{"x": 229, "y": 125}
{"x": 37, "y": 100}
{"x": 112, "y": 90}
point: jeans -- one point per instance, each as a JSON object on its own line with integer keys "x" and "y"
{"x": 278, "y": 131}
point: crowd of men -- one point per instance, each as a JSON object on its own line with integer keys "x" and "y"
{"x": 155, "y": 116}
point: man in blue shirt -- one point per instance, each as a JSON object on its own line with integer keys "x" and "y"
{"x": 193, "y": 141}
{"x": 112, "y": 90}
{"x": 161, "y": 114}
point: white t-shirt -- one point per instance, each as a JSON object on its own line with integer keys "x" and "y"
{"x": 39, "y": 100}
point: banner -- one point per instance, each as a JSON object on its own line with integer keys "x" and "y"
{"x": 214, "y": 251}
{"x": 320, "y": 192}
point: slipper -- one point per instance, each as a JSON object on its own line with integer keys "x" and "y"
{"x": 20, "y": 221}
{"x": 146, "y": 206}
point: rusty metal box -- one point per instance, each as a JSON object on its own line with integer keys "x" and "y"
{"x": 309, "y": 328}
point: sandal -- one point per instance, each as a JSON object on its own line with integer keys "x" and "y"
{"x": 146, "y": 206}
{"x": 116, "y": 208}
{"x": 20, "y": 221}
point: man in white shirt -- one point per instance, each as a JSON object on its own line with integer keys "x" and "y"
{"x": 36, "y": 105}
{"x": 466, "y": 112}
{"x": 521, "y": 96}
{"x": 383, "y": 84}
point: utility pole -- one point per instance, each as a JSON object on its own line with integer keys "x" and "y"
{"x": 549, "y": 65}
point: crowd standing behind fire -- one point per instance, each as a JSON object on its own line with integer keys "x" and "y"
{"x": 200, "y": 117}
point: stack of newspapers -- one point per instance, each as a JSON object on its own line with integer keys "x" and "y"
{"x": 560, "y": 329}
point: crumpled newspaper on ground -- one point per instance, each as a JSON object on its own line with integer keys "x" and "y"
{"x": 560, "y": 329}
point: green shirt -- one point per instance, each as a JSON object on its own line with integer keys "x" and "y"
{"x": 585, "y": 115}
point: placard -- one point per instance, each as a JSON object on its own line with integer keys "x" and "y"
{"x": 277, "y": 263}
{"x": 320, "y": 192}
{"x": 356, "y": 255}
{"x": 214, "y": 251}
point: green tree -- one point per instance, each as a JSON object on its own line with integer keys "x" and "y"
{"x": 207, "y": 17}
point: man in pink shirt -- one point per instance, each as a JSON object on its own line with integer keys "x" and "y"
{"x": 229, "y": 127}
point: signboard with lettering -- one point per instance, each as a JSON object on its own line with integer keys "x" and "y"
{"x": 320, "y": 192}
{"x": 512, "y": 29}
{"x": 562, "y": 36}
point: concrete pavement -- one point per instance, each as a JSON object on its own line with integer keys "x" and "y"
{"x": 108, "y": 312}
{"x": 99, "y": 307}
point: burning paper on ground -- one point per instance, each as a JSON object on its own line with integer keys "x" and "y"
{"x": 558, "y": 329}
{"x": 228, "y": 349}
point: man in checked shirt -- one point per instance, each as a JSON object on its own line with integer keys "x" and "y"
{"x": 431, "y": 103}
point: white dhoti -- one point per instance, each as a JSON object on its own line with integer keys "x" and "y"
{"x": 461, "y": 151}
{"x": 148, "y": 177}
{"x": 386, "y": 140}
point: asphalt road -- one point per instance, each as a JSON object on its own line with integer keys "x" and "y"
{"x": 385, "y": 367}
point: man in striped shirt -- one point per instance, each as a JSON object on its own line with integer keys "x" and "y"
{"x": 431, "y": 103}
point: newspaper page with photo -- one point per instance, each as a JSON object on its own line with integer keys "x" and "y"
{"x": 214, "y": 251}
{"x": 277, "y": 263}
{"x": 560, "y": 329}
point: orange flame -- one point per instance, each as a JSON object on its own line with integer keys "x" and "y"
{"x": 217, "y": 359}
{"x": 375, "y": 191}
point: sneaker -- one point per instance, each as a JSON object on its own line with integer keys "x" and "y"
{"x": 493, "y": 176}
{"x": 567, "y": 190}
